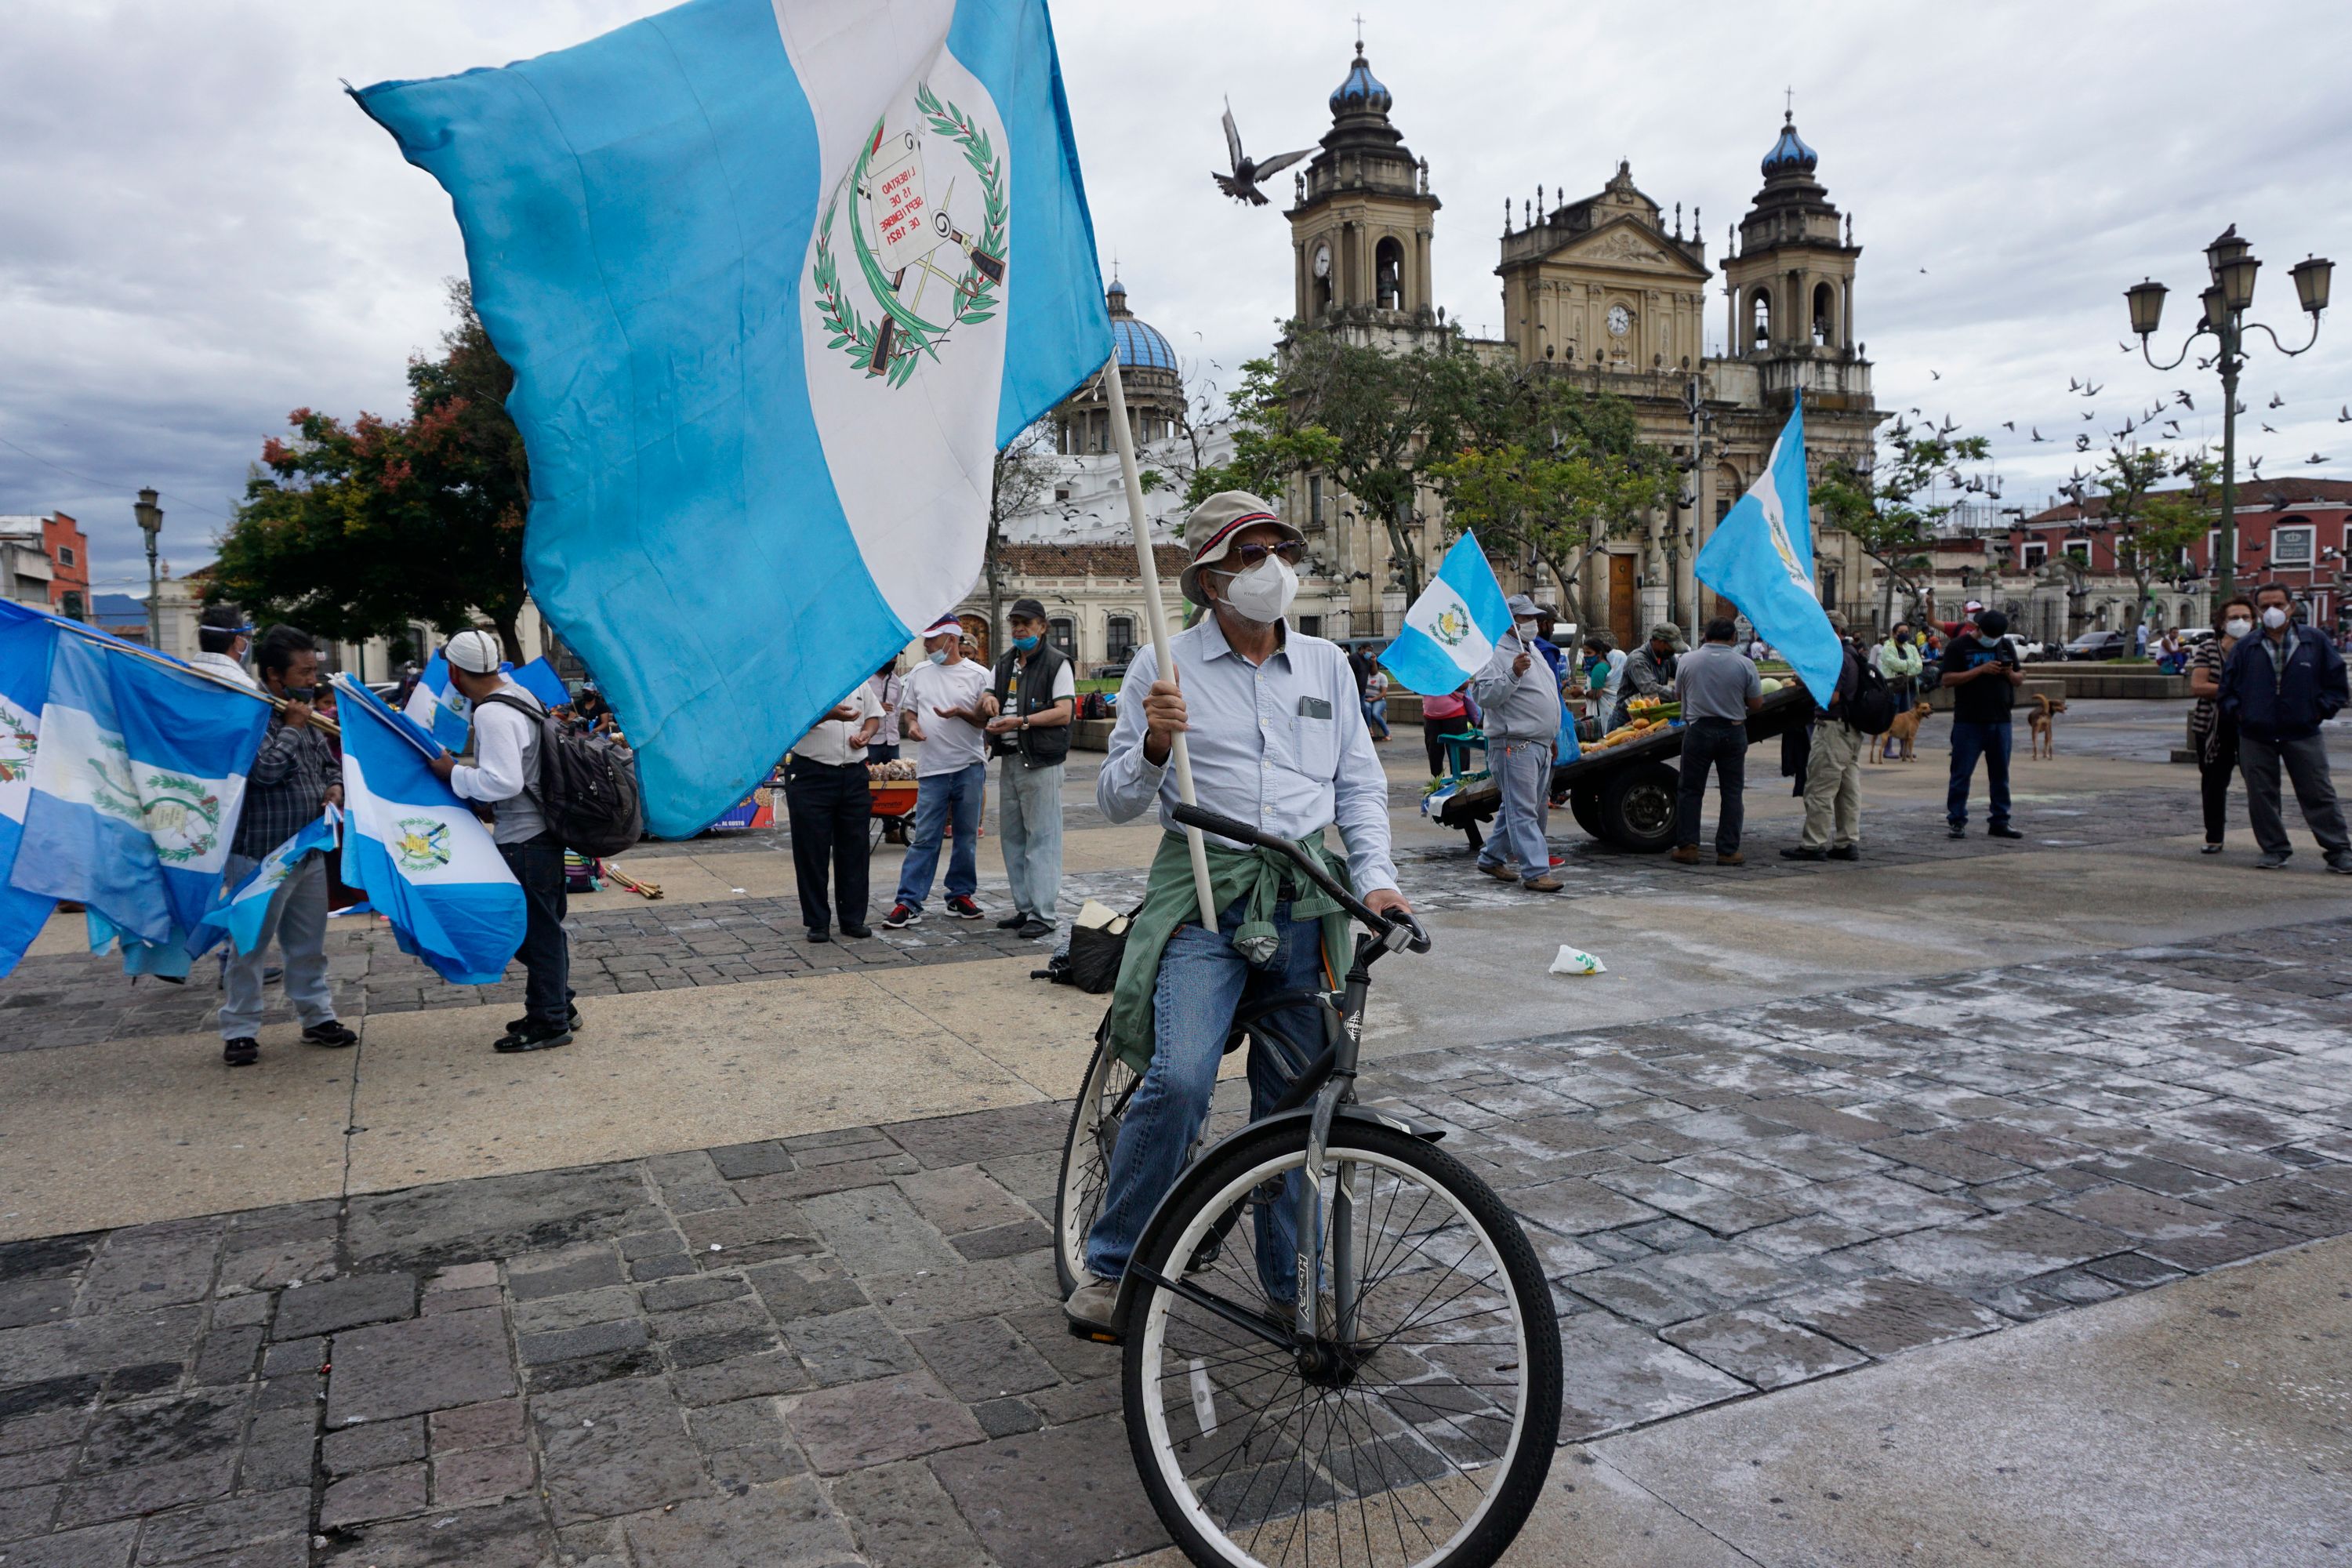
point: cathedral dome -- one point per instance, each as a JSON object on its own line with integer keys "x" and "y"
{"x": 1139, "y": 343}
{"x": 1789, "y": 154}
{"x": 1363, "y": 90}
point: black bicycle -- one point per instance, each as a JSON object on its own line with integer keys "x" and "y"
{"x": 1374, "y": 1377}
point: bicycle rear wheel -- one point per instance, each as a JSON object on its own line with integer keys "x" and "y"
{"x": 1086, "y": 1159}
{"x": 1418, "y": 1428}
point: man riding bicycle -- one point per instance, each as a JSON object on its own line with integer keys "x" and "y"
{"x": 1278, "y": 739}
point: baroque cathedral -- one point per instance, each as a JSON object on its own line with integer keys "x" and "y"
{"x": 1600, "y": 290}
{"x": 1604, "y": 289}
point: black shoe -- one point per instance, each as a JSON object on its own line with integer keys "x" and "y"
{"x": 1846, "y": 852}
{"x": 334, "y": 1036}
{"x": 272, "y": 975}
{"x": 816, "y": 935}
{"x": 532, "y": 1037}
{"x": 963, "y": 908}
{"x": 2210, "y": 849}
{"x": 1801, "y": 852}
{"x": 1957, "y": 830}
{"x": 2272, "y": 862}
{"x": 1033, "y": 927}
{"x": 1012, "y": 921}
{"x": 2002, "y": 830}
{"x": 901, "y": 917}
{"x": 241, "y": 1053}
{"x": 856, "y": 932}
{"x": 571, "y": 1022}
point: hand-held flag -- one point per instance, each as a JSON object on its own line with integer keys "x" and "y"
{"x": 1760, "y": 557}
{"x": 26, "y": 638}
{"x": 777, "y": 278}
{"x": 1450, "y": 632}
{"x": 437, "y": 705}
{"x": 243, "y": 910}
{"x": 424, "y": 862}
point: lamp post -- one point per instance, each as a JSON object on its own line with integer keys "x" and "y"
{"x": 150, "y": 522}
{"x": 2232, "y": 266}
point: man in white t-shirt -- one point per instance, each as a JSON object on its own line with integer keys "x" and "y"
{"x": 948, "y": 706}
{"x": 830, "y": 802}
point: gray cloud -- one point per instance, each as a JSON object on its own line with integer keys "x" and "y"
{"x": 203, "y": 233}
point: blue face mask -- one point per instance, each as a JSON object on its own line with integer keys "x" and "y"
{"x": 937, "y": 657}
{"x": 1027, "y": 645}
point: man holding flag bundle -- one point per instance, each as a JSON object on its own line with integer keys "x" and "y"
{"x": 297, "y": 778}
{"x": 1520, "y": 698}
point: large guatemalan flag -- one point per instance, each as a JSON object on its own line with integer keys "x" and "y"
{"x": 26, "y": 638}
{"x": 777, "y": 278}
{"x": 426, "y": 862}
{"x": 1760, "y": 557}
{"x": 136, "y": 789}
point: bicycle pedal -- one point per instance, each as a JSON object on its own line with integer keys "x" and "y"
{"x": 1095, "y": 1336}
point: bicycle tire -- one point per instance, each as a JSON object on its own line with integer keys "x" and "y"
{"x": 1086, "y": 1161}
{"x": 1150, "y": 1387}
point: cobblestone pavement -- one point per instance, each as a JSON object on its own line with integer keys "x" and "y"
{"x": 78, "y": 999}
{"x": 844, "y": 1347}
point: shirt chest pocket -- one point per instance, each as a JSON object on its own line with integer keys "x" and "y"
{"x": 1315, "y": 746}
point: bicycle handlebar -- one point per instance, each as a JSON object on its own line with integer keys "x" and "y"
{"x": 1241, "y": 832}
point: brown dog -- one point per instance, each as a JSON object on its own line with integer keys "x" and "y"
{"x": 1904, "y": 730}
{"x": 2043, "y": 722}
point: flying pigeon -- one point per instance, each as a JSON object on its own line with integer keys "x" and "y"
{"x": 1242, "y": 183}
{"x": 2037, "y": 432}
{"x": 2269, "y": 430}
{"x": 2089, "y": 390}
{"x": 2010, "y": 425}
{"x": 2314, "y": 457}
{"x": 2187, "y": 402}
{"x": 2277, "y": 402}
{"x": 2082, "y": 443}
{"x": 1934, "y": 376}
{"x": 2344, "y": 415}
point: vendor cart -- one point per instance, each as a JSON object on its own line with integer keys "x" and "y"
{"x": 1624, "y": 795}
{"x": 891, "y": 809}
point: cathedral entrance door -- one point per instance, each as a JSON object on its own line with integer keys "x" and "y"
{"x": 1623, "y": 600}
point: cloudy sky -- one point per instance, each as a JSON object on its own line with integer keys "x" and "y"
{"x": 201, "y": 232}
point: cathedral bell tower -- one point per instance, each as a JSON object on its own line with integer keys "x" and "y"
{"x": 1791, "y": 283}
{"x": 1361, "y": 227}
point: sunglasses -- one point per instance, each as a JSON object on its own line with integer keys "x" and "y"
{"x": 1291, "y": 551}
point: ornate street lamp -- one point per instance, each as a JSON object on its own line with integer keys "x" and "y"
{"x": 150, "y": 522}
{"x": 2231, "y": 263}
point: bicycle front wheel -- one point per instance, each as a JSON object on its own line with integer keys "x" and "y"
{"x": 1086, "y": 1159}
{"x": 1415, "y": 1430}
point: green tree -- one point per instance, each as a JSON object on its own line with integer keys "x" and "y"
{"x": 353, "y": 529}
{"x": 2148, "y": 528}
{"x": 1892, "y": 512}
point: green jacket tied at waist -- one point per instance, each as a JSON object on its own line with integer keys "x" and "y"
{"x": 1168, "y": 902}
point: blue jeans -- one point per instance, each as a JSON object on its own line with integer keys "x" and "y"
{"x": 1201, "y": 982}
{"x": 938, "y": 796}
{"x": 1376, "y": 717}
{"x": 1970, "y": 741}
{"x": 1523, "y": 771}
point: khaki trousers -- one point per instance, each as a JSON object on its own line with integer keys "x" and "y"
{"x": 1833, "y": 786}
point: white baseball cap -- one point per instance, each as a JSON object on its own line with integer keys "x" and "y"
{"x": 475, "y": 652}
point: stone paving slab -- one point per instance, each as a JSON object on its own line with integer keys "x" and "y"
{"x": 846, "y": 1346}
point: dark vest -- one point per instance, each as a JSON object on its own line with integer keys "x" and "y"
{"x": 1039, "y": 673}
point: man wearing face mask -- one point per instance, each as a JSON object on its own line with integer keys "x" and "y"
{"x": 948, "y": 710}
{"x": 2280, "y": 685}
{"x": 298, "y": 773}
{"x": 1981, "y": 669}
{"x": 1035, "y": 697}
{"x": 1277, "y": 737}
{"x": 1520, "y": 698}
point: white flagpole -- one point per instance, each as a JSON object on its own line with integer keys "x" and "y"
{"x": 1124, "y": 438}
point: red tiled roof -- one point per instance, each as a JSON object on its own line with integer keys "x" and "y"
{"x": 1088, "y": 560}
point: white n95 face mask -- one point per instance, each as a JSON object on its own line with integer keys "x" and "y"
{"x": 1263, "y": 592}
{"x": 2273, "y": 617}
{"x": 2237, "y": 625}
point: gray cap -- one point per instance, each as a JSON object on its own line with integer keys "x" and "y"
{"x": 1837, "y": 621}
{"x": 1668, "y": 632}
{"x": 1522, "y": 609}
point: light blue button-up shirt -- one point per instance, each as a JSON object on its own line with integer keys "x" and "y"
{"x": 1281, "y": 745}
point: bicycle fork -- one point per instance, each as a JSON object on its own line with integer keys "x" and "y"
{"x": 1338, "y": 1090}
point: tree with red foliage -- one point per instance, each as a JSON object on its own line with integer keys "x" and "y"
{"x": 352, "y": 531}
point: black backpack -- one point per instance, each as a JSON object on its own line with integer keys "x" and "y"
{"x": 1871, "y": 708}
{"x": 588, "y": 788}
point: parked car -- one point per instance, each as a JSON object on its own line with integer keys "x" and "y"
{"x": 2098, "y": 645}
{"x": 1107, "y": 672}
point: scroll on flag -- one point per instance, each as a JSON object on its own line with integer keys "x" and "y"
{"x": 1450, "y": 632}
{"x": 777, "y": 279}
{"x": 243, "y": 912}
{"x": 1760, "y": 558}
{"x": 426, "y": 862}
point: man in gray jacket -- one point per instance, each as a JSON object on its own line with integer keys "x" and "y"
{"x": 1520, "y": 698}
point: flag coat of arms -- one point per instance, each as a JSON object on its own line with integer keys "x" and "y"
{"x": 136, "y": 789}
{"x": 1450, "y": 632}
{"x": 426, "y": 862}
{"x": 1760, "y": 557}
{"x": 26, "y": 638}
{"x": 777, "y": 279}
{"x": 243, "y": 912}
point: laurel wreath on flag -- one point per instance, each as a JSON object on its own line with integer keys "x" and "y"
{"x": 975, "y": 294}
